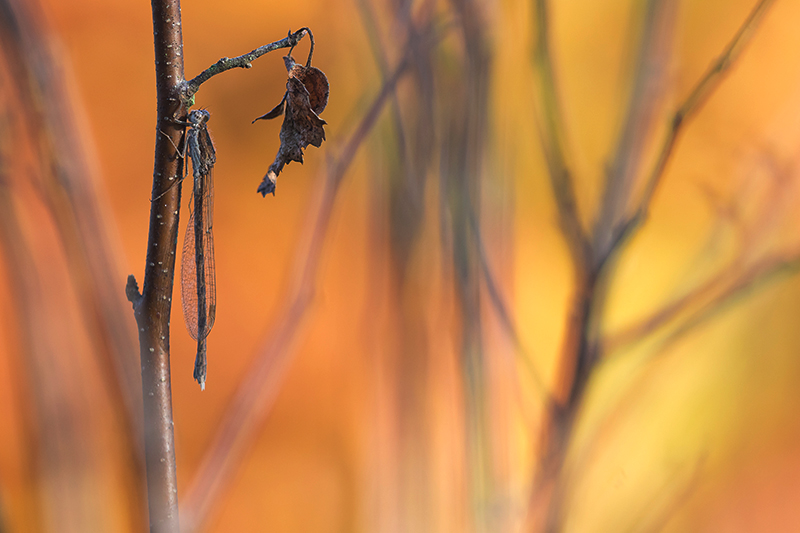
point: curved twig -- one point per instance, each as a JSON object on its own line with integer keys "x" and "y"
{"x": 243, "y": 61}
{"x": 694, "y": 102}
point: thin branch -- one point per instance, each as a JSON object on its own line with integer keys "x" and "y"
{"x": 370, "y": 24}
{"x": 753, "y": 277}
{"x": 750, "y": 279}
{"x": 648, "y": 86}
{"x": 665, "y": 315}
{"x": 503, "y": 313}
{"x": 695, "y": 101}
{"x": 65, "y": 186}
{"x": 552, "y": 137}
{"x": 152, "y": 306}
{"x": 243, "y": 61}
{"x": 773, "y": 208}
{"x": 662, "y": 515}
{"x": 716, "y": 292}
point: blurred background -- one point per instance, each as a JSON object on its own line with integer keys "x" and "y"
{"x": 395, "y": 327}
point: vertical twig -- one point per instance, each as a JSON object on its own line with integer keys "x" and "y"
{"x": 58, "y": 186}
{"x": 648, "y": 86}
{"x": 577, "y": 365}
{"x": 398, "y": 197}
{"x": 552, "y": 138}
{"x": 152, "y": 306}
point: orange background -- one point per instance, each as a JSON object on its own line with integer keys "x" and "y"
{"x": 721, "y": 400}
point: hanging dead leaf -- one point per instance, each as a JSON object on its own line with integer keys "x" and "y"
{"x": 305, "y": 98}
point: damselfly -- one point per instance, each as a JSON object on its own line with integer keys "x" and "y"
{"x": 198, "y": 285}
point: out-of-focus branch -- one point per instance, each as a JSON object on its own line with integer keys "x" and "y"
{"x": 751, "y": 278}
{"x": 255, "y": 396}
{"x": 504, "y": 315}
{"x": 370, "y": 25}
{"x": 699, "y": 95}
{"x": 648, "y": 86}
{"x": 773, "y": 209}
{"x": 619, "y": 233}
{"x": 552, "y": 137}
{"x": 666, "y": 314}
{"x": 580, "y": 352}
{"x": 465, "y": 117}
{"x": 715, "y": 292}
{"x": 38, "y": 118}
{"x": 675, "y": 493}
{"x": 581, "y": 349}
{"x": 747, "y": 280}
{"x": 726, "y": 290}
{"x": 66, "y": 188}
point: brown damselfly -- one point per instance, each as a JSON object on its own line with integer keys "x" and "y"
{"x": 198, "y": 284}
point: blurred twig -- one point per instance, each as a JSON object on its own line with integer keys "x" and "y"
{"x": 399, "y": 209}
{"x": 581, "y": 350}
{"x": 742, "y": 267}
{"x": 758, "y": 275}
{"x": 698, "y": 96}
{"x": 648, "y": 86}
{"x": 506, "y": 319}
{"x": 67, "y": 189}
{"x": 675, "y": 493}
{"x": 735, "y": 280}
{"x": 750, "y": 279}
{"x": 466, "y": 116}
{"x": 41, "y": 122}
{"x": 552, "y": 137}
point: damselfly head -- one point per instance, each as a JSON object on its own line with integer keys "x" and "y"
{"x": 198, "y": 117}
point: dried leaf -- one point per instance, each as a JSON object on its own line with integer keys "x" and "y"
{"x": 276, "y": 111}
{"x": 305, "y": 98}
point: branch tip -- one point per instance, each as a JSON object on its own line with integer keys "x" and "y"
{"x": 132, "y": 290}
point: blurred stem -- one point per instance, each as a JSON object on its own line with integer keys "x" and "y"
{"x": 593, "y": 259}
{"x": 704, "y": 88}
{"x": 648, "y": 86}
{"x": 551, "y": 136}
{"x": 467, "y": 113}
